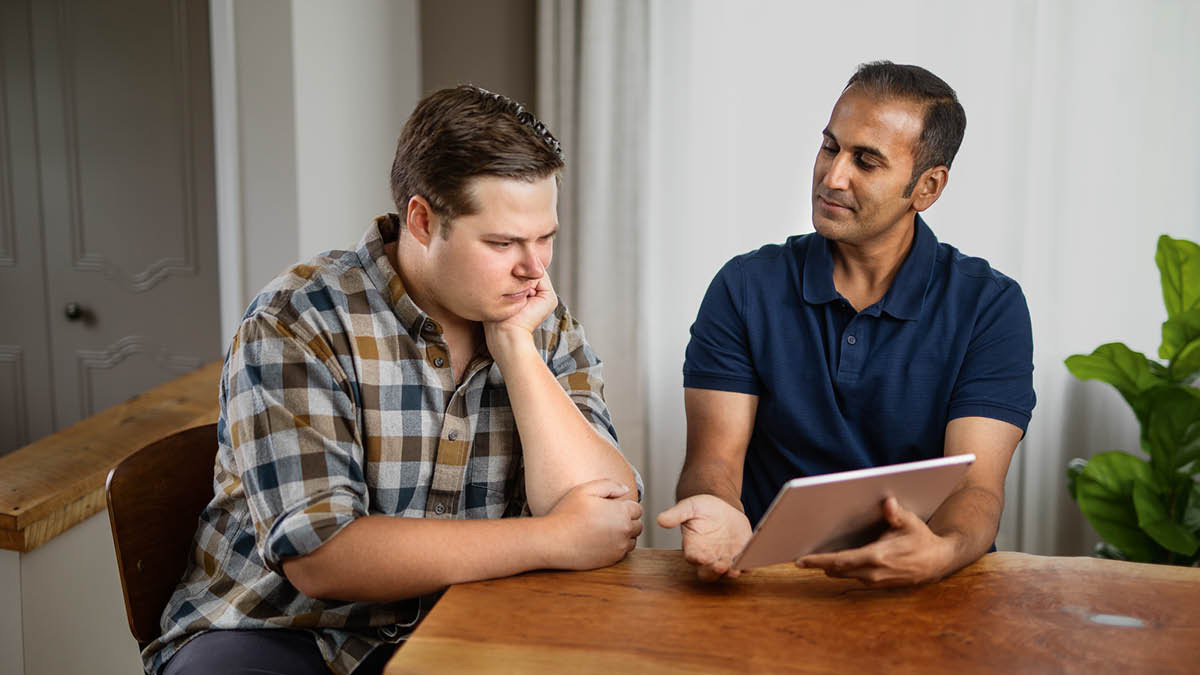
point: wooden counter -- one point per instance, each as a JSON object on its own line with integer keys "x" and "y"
{"x": 50, "y": 485}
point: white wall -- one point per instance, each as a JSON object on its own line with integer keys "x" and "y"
{"x": 1082, "y": 145}
{"x": 357, "y": 77}
{"x": 309, "y": 99}
{"x": 71, "y": 605}
{"x": 12, "y": 651}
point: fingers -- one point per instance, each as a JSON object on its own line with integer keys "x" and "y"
{"x": 898, "y": 517}
{"x": 635, "y": 510}
{"x": 672, "y": 517}
{"x": 604, "y": 488}
{"x": 843, "y": 563}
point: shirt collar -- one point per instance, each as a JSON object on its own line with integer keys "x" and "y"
{"x": 371, "y": 252}
{"x": 907, "y": 294}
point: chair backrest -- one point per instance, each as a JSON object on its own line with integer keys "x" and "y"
{"x": 155, "y": 497}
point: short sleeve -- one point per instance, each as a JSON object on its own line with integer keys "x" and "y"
{"x": 718, "y": 354}
{"x": 996, "y": 378}
{"x": 580, "y": 372}
{"x": 295, "y": 441}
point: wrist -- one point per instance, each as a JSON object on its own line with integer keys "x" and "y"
{"x": 509, "y": 345}
{"x": 545, "y": 541}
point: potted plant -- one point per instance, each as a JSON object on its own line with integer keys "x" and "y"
{"x": 1148, "y": 510}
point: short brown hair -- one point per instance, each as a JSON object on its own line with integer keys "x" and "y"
{"x": 456, "y": 134}
{"x": 945, "y": 120}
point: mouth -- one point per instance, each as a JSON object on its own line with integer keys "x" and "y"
{"x": 525, "y": 293}
{"x": 832, "y": 205}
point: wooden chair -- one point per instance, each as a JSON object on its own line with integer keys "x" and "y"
{"x": 155, "y": 497}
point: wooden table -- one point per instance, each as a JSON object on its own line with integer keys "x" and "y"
{"x": 1007, "y": 613}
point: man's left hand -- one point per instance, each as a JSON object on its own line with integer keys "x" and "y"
{"x": 908, "y": 553}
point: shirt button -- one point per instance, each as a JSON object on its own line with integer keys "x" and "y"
{"x": 439, "y": 509}
{"x": 454, "y": 435}
{"x": 850, "y": 339}
{"x": 439, "y": 362}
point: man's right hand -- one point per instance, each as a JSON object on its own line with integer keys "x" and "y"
{"x": 713, "y": 533}
{"x": 593, "y": 525}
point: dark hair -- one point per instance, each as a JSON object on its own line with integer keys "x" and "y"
{"x": 945, "y": 120}
{"x": 456, "y": 134}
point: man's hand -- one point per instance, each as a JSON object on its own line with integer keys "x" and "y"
{"x": 540, "y": 300}
{"x": 908, "y": 553}
{"x": 594, "y": 526}
{"x": 713, "y": 533}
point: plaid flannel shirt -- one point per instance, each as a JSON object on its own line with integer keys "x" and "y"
{"x": 338, "y": 401}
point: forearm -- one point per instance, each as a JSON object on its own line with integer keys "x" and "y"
{"x": 560, "y": 448}
{"x": 384, "y": 559}
{"x": 712, "y": 478}
{"x": 968, "y": 520}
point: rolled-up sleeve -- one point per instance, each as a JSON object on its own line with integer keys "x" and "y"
{"x": 295, "y": 439}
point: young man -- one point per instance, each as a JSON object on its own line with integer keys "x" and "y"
{"x": 385, "y": 410}
{"x": 866, "y": 343}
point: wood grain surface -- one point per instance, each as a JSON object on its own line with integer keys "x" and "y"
{"x": 1007, "y": 613}
{"x": 58, "y": 481}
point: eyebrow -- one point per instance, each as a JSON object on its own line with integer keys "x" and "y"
{"x": 512, "y": 237}
{"x": 865, "y": 149}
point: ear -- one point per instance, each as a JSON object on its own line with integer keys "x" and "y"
{"x": 929, "y": 187}
{"x": 420, "y": 220}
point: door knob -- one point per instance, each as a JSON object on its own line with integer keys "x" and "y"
{"x": 73, "y": 311}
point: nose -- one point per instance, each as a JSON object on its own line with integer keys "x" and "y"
{"x": 530, "y": 266}
{"x": 837, "y": 176}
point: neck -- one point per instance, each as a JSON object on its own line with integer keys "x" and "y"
{"x": 462, "y": 336}
{"x": 864, "y": 271}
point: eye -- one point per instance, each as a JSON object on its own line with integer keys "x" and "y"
{"x": 861, "y": 161}
{"x": 829, "y": 148}
{"x": 500, "y": 244}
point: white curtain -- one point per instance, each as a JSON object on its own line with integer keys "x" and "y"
{"x": 1082, "y": 146}
{"x": 592, "y": 92}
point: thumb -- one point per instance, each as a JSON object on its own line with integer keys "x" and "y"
{"x": 605, "y": 488}
{"x": 898, "y": 517}
{"x": 672, "y": 517}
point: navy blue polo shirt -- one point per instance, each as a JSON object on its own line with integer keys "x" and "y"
{"x": 840, "y": 389}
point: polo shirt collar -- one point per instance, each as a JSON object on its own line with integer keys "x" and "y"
{"x": 907, "y": 294}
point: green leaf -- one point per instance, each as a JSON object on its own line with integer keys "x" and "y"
{"x": 1179, "y": 266}
{"x": 1191, "y": 516}
{"x": 1171, "y": 427}
{"x": 1155, "y": 520}
{"x": 1104, "y": 491}
{"x": 1187, "y": 363}
{"x": 1074, "y": 468}
{"x": 1129, "y": 371}
{"x": 1116, "y": 470}
{"x": 1178, "y": 332}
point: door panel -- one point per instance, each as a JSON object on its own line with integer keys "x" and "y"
{"x": 25, "y": 391}
{"x": 124, "y": 117}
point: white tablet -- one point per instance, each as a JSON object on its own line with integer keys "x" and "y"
{"x": 844, "y": 510}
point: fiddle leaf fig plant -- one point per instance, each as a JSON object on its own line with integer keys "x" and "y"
{"x": 1148, "y": 509}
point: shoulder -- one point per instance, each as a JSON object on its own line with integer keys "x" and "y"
{"x": 560, "y": 331}
{"x": 769, "y": 259}
{"x": 973, "y": 274}
{"x": 305, "y": 297}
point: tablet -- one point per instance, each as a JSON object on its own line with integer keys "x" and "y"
{"x": 836, "y": 511}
